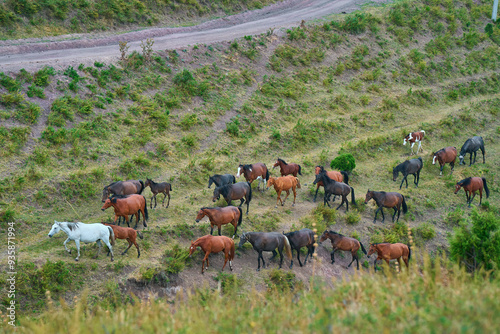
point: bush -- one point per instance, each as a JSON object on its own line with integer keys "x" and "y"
{"x": 282, "y": 281}
{"x": 352, "y": 217}
{"x": 229, "y": 282}
{"x": 175, "y": 259}
{"x": 426, "y": 231}
{"x": 344, "y": 162}
{"x": 477, "y": 245}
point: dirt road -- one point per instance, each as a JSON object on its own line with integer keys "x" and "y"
{"x": 63, "y": 51}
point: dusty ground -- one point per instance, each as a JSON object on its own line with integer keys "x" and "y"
{"x": 72, "y": 50}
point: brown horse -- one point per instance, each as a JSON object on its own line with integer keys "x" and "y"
{"x": 253, "y": 172}
{"x": 156, "y": 188}
{"x": 284, "y": 183}
{"x": 128, "y": 205}
{"x": 332, "y": 174}
{"x": 344, "y": 243}
{"x": 445, "y": 155}
{"x": 122, "y": 188}
{"x": 221, "y": 216}
{"x": 126, "y": 233}
{"x": 387, "y": 251}
{"x": 214, "y": 244}
{"x": 471, "y": 185}
{"x": 387, "y": 200}
{"x": 287, "y": 168}
{"x": 299, "y": 239}
{"x": 239, "y": 190}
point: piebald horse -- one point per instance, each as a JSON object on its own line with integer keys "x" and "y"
{"x": 257, "y": 171}
{"x": 415, "y": 137}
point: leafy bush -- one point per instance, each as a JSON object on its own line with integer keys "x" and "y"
{"x": 12, "y": 85}
{"x": 42, "y": 76}
{"x": 344, "y": 162}
{"x": 28, "y": 113}
{"x": 175, "y": 259}
{"x": 477, "y": 245}
{"x": 352, "y": 217}
{"x": 230, "y": 283}
{"x": 426, "y": 231}
{"x": 283, "y": 281}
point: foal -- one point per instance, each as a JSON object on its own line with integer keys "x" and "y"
{"x": 156, "y": 188}
{"x": 414, "y": 137}
{"x": 128, "y": 234}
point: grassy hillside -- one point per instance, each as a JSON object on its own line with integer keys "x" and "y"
{"x": 28, "y": 18}
{"x": 356, "y": 83}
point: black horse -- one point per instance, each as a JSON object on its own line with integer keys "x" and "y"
{"x": 335, "y": 188}
{"x": 299, "y": 239}
{"x": 470, "y": 146}
{"x": 240, "y": 190}
{"x": 267, "y": 242}
{"x": 221, "y": 180}
{"x": 413, "y": 166}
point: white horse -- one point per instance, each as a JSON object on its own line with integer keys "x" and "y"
{"x": 85, "y": 233}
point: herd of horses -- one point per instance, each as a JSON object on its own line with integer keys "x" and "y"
{"x": 127, "y": 200}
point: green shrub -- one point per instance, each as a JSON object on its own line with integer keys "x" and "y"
{"x": 477, "y": 245}
{"x": 175, "y": 259}
{"x": 42, "y": 76}
{"x": 283, "y": 281}
{"x": 426, "y": 231}
{"x": 230, "y": 283}
{"x": 12, "y": 85}
{"x": 28, "y": 113}
{"x": 344, "y": 162}
{"x": 233, "y": 127}
{"x": 352, "y": 217}
{"x": 455, "y": 217}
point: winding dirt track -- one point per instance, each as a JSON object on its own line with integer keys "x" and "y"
{"x": 63, "y": 51}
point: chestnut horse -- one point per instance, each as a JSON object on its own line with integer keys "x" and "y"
{"x": 335, "y": 188}
{"x": 284, "y": 183}
{"x": 387, "y": 251}
{"x": 253, "y": 172}
{"x": 387, "y": 200}
{"x": 414, "y": 137}
{"x": 126, "y": 233}
{"x": 214, "y": 244}
{"x": 239, "y": 190}
{"x": 128, "y": 205}
{"x": 471, "y": 185}
{"x": 332, "y": 174}
{"x": 445, "y": 155}
{"x": 287, "y": 168}
{"x": 165, "y": 188}
{"x": 344, "y": 243}
{"x": 221, "y": 216}
{"x": 299, "y": 239}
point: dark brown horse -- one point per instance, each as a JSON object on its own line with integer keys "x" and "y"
{"x": 253, "y": 172}
{"x": 240, "y": 190}
{"x": 445, "y": 155}
{"x": 214, "y": 244}
{"x": 284, "y": 183}
{"x": 267, "y": 242}
{"x": 128, "y": 234}
{"x": 387, "y": 251}
{"x": 128, "y": 205}
{"x": 165, "y": 188}
{"x": 332, "y": 174}
{"x": 288, "y": 168}
{"x": 344, "y": 243}
{"x": 335, "y": 188}
{"x": 299, "y": 239}
{"x": 221, "y": 180}
{"x": 471, "y": 185}
{"x": 387, "y": 200}
{"x": 413, "y": 166}
{"x": 122, "y": 188}
{"x": 221, "y": 216}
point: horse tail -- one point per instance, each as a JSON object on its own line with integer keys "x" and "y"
{"x": 288, "y": 249}
{"x": 353, "y": 199}
{"x": 140, "y": 235}
{"x": 142, "y": 187}
{"x": 300, "y": 170}
{"x": 111, "y": 236}
{"x": 170, "y": 186}
{"x": 250, "y": 191}
{"x": 145, "y": 208}
{"x": 363, "y": 248}
{"x": 234, "y": 179}
{"x": 346, "y": 177}
{"x": 409, "y": 252}
{"x": 486, "y": 187}
{"x": 267, "y": 174}
{"x": 405, "y": 208}
{"x": 241, "y": 216}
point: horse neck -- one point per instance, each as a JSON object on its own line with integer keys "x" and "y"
{"x": 65, "y": 228}
{"x": 326, "y": 179}
{"x": 208, "y": 212}
{"x": 377, "y": 197}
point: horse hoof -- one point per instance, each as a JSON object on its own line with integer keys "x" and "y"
{"x": 258, "y": 269}
{"x": 76, "y": 259}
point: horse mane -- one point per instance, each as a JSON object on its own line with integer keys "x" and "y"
{"x": 465, "y": 182}
{"x": 72, "y": 226}
{"x": 247, "y": 167}
{"x": 283, "y": 161}
{"x": 223, "y": 190}
{"x": 208, "y": 207}
{"x": 333, "y": 232}
{"x": 441, "y": 150}
{"x": 109, "y": 185}
{"x": 119, "y": 196}
{"x": 380, "y": 243}
{"x": 321, "y": 168}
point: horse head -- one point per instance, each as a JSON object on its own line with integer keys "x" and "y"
{"x": 318, "y": 177}
{"x": 318, "y": 169}
{"x": 457, "y": 187}
{"x": 200, "y": 215}
{"x": 105, "y": 193}
{"x": 55, "y": 228}
{"x": 148, "y": 182}
{"x": 243, "y": 239}
{"x": 270, "y": 182}
{"x": 461, "y": 158}
{"x": 192, "y": 248}
{"x": 210, "y": 181}
{"x": 107, "y": 204}
{"x": 324, "y": 236}
{"x": 373, "y": 249}
{"x": 395, "y": 173}
{"x": 216, "y": 196}
{"x": 369, "y": 196}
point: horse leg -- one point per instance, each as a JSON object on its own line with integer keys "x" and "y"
{"x": 98, "y": 249}
{"x": 106, "y": 242}
{"x": 353, "y": 258}
{"x": 138, "y": 251}
{"x": 412, "y": 148}
{"x": 151, "y": 202}
{"x": 168, "y": 203}
{"x": 235, "y": 225}
{"x": 344, "y": 198}
{"x": 226, "y": 256}
{"x": 332, "y": 255}
{"x": 376, "y": 212}
{"x": 241, "y": 202}
{"x": 67, "y": 250}
{"x": 415, "y": 178}
{"x": 480, "y": 195}
{"x": 382, "y": 212}
{"x": 287, "y": 193}
{"x": 163, "y": 202}
{"x": 248, "y": 206}
{"x": 258, "y": 261}
{"x": 473, "y": 195}
{"x": 475, "y": 155}
{"x": 325, "y": 200}
{"x": 281, "y": 256}
{"x": 77, "y": 242}
{"x": 137, "y": 219}
{"x": 402, "y": 181}
{"x": 219, "y": 228}
{"x": 129, "y": 245}
{"x": 452, "y": 164}
{"x": 274, "y": 255}
{"x": 316, "y": 194}
{"x": 205, "y": 258}
{"x": 211, "y": 228}
{"x": 399, "y": 263}
{"x": 298, "y": 257}
{"x": 294, "y": 196}
{"x": 394, "y": 215}
{"x": 441, "y": 170}
{"x": 278, "y": 198}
